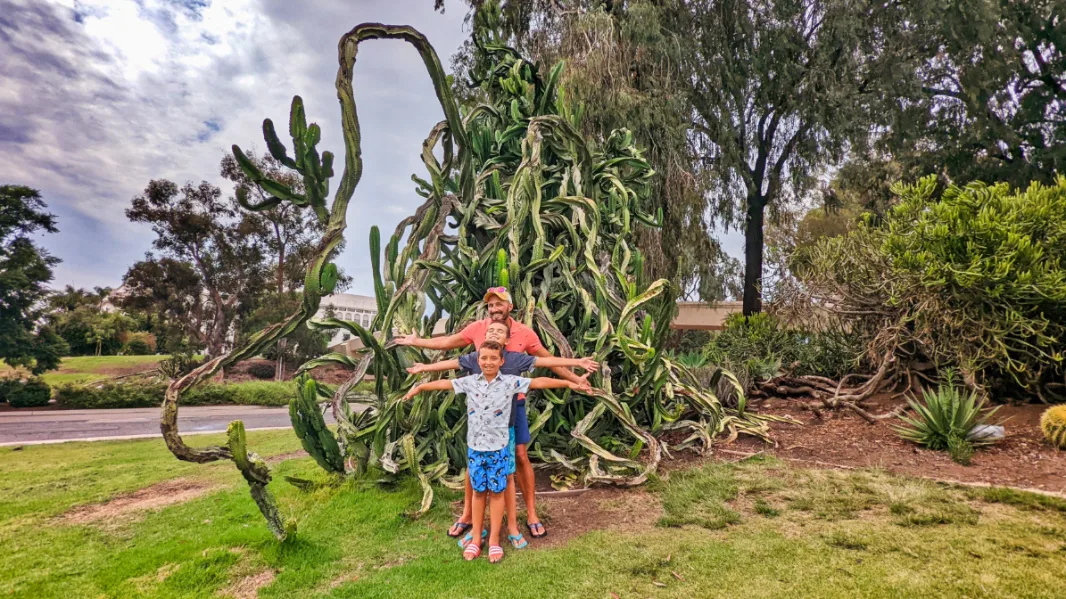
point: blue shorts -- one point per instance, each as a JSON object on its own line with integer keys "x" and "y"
{"x": 488, "y": 469}
{"x": 521, "y": 424}
{"x": 510, "y": 454}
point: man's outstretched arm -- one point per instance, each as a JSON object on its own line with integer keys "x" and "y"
{"x": 441, "y": 366}
{"x": 446, "y": 342}
{"x": 563, "y": 373}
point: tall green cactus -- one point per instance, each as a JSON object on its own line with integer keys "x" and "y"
{"x": 310, "y": 427}
{"x": 257, "y": 474}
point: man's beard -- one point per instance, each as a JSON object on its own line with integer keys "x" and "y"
{"x": 498, "y": 316}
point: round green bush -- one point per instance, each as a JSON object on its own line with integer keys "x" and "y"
{"x": 137, "y": 347}
{"x": 261, "y": 370}
{"x": 7, "y": 388}
{"x": 33, "y": 393}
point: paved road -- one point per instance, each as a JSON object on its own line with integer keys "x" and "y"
{"x": 52, "y": 426}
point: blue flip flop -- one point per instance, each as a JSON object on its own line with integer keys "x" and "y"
{"x": 469, "y": 538}
{"x": 518, "y": 541}
{"x": 463, "y": 527}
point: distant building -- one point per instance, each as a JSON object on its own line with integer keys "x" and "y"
{"x": 704, "y": 316}
{"x": 110, "y": 304}
{"x": 359, "y": 309}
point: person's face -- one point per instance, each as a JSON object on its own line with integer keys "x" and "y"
{"x": 497, "y": 332}
{"x": 489, "y": 360}
{"x": 499, "y": 310}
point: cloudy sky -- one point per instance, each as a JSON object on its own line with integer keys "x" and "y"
{"x": 101, "y": 96}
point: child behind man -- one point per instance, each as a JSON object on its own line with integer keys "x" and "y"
{"x": 488, "y": 406}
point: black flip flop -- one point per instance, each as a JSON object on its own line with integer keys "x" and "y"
{"x": 462, "y": 531}
{"x": 529, "y": 527}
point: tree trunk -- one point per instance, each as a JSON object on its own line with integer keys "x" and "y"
{"x": 753, "y": 248}
{"x": 279, "y": 367}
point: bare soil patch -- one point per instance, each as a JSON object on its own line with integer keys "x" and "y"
{"x": 329, "y": 374}
{"x": 150, "y": 498}
{"x": 1023, "y": 459}
{"x": 248, "y": 587}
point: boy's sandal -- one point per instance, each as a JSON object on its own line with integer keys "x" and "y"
{"x": 472, "y": 552}
{"x": 495, "y": 554}
{"x": 459, "y": 528}
{"x": 518, "y": 541}
{"x": 534, "y": 527}
{"x": 463, "y": 542}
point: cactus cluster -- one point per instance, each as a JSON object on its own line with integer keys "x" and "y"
{"x": 1053, "y": 423}
{"x": 518, "y": 198}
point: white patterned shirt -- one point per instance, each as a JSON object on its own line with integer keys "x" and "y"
{"x": 488, "y": 408}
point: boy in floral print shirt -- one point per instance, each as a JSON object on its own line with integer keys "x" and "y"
{"x": 488, "y": 405}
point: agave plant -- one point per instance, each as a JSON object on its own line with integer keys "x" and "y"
{"x": 518, "y": 198}
{"x": 945, "y": 421}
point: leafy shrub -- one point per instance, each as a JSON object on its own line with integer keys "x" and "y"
{"x": 178, "y": 365}
{"x": 261, "y": 370}
{"x": 684, "y": 341}
{"x": 974, "y": 279}
{"x": 137, "y": 347}
{"x": 32, "y": 393}
{"x": 692, "y": 359}
{"x": 146, "y": 395}
{"x": 756, "y": 348}
{"x": 944, "y": 421}
{"x": 7, "y": 388}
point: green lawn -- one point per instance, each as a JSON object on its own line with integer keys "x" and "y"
{"x": 758, "y": 528}
{"x": 87, "y": 369}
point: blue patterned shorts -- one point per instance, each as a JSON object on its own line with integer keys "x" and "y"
{"x": 510, "y": 453}
{"x": 488, "y": 469}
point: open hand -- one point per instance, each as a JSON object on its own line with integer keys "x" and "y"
{"x": 582, "y": 385}
{"x": 407, "y": 340}
{"x": 416, "y": 368}
{"x": 589, "y": 364}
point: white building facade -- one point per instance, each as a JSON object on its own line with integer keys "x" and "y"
{"x": 359, "y": 309}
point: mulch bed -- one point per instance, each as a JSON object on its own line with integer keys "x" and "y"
{"x": 1022, "y": 459}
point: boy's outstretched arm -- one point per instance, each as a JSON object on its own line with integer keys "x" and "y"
{"x": 560, "y": 371}
{"x": 441, "y": 366}
{"x": 546, "y": 382}
{"x": 441, "y": 385}
{"x": 552, "y": 362}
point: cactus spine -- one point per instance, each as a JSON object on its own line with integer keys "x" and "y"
{"x": 1053, "y": 423}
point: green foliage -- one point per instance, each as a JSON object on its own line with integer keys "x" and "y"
{"x": 310, "y": 427}
{"x": 261, "y": 370}
{"x": 758, "y": 347}
{"x": 30, "y": 393}
{"x": 1053, "y": 423}
{"x": 973, "y": 278}
{"x": 178, "y": 365}
{"x": 149, "y": 395}
{"x": 139, "y": 344}
{"x": 25, "y": 269}
{"x": 944, "y": 421}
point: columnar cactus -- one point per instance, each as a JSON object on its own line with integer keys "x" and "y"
{"x": 310, "y": 427}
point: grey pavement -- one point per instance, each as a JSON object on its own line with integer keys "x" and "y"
{"x": 55, "y": 426}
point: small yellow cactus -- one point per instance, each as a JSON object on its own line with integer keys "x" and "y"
{"x": 1053, "y": 423}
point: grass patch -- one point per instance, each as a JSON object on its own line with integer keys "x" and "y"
{"x": 87, "y": 369}
{"x": 1022, "y": 499}
{"x": 353, "y": 542}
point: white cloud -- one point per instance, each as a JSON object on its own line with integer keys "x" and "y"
{"x": 98, "y": 97}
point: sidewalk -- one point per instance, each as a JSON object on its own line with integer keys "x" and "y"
{"x": 32, "y": 427}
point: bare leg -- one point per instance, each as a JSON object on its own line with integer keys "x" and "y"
{"x": 511, "y": 505}
{"x": 527, "y": 483}
{"x": 479, "y": 517}
{"x": 468, "y": 495}
{"x": 495, "y": 518}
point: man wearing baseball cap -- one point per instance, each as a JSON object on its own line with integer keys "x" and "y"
{"x": 524, "y": 340}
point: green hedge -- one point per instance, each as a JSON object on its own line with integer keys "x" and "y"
{"x": 32, "y": 393}
{"x": 149, "y": 395}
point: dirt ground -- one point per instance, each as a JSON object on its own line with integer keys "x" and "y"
{"x": 842, "y": 440}
{"x": 1022, "y": 459}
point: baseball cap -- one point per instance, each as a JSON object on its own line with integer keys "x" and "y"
{"x": 500, "y": 292}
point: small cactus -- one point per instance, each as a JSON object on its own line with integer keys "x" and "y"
{"x": 1053, "y": 423}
